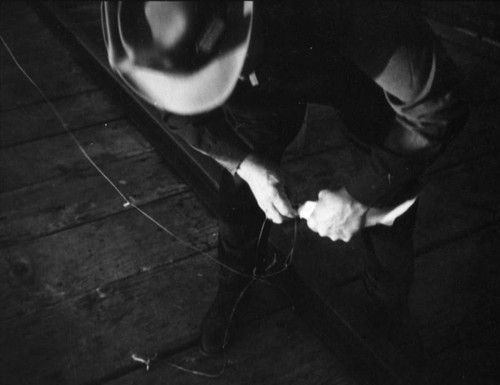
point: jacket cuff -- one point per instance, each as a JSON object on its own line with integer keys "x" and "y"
{"x": 371, "y": 188}
{"x": 386, "y": 179}
{"x": 232, "y": 162}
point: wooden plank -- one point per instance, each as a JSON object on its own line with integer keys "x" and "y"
{"x": 91, "y": 337}
{"x": 83, "y": 258}
{"x": 86, "y": 338}
{"x": 44, "y": 58}
{"x": 37, "y": 121}
{"x": 52, "y": 206}
{"x": 202, "y": 173}
{"x": 30, "y": 39}
{"x": 13, "y": 10}
{"x": 44, "y": 159}
{"x": 57, "y": 77}
{"x": 83, "y": 11}
{"x": 93, "y": 30}
{"x": 275, "y": 350}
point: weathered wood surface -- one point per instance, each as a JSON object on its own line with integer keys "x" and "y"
{"x": 93, "y": 335}
{"x": 38, "y": 120}
{"x": 275, "y": 350}
{"x": 48, "y": 207}
{"x": 68, "y": 313}
{"x": 87, "y": 283}
{"x": 35, "y": 162}
{"x": 37, "y": 43}
{"x": 100, "y": 251}
{"x": 73, "y": 331}
{"x": 57, "y": 78}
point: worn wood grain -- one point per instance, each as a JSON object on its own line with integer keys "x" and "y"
{"x": 38, "y": 120}
{"x": 31, "y": 40}
{"x": 13, "y": 10}
{"x": 44, "y": 159}
{"x": 57, "y": 77}
{"x": 297, "y": 358}
{"x": 88, "y": 337}
{"x": 82, "y": 258}
{"x": 60, "y": 203}
{"x": 83, "y": 11}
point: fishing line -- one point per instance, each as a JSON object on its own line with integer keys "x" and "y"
{"x": 129, "y": 203}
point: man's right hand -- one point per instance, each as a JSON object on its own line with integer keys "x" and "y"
{"x": 268, "y": 187}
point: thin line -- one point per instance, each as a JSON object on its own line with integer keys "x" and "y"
{"x": 127, "y": 202}
{"x": 61, "y": 120}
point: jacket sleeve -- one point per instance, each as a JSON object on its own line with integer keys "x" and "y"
{"x": 210, "y": 134}
{"x": 251, "y": 121}
{"x": 397, "y": 49}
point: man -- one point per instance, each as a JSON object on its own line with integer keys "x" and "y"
{"x": 234, "y": 79}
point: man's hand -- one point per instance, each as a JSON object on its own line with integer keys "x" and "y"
{"x": 268, "y": 187}
{"x": 337, "y": 215}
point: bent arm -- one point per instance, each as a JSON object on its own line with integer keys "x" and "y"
{"x": 400, "y": 53}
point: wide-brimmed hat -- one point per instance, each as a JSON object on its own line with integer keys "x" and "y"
{"x": 181, "y": 56}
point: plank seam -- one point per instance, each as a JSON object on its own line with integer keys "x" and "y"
{"x": 64, "y": 133}
{"x": 121, "y": 211}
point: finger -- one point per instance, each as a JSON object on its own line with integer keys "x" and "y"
{"x": 333, "y": 233}
{"x": 324, "y": 231}
{"x": 345, "y": 237}
{"x": 311, "y": 223}
{"x": 273, "y": 215}
{"x": 283, "y": 205}
{"x": 322, "y": 193}
{"x": 333, "y": 237}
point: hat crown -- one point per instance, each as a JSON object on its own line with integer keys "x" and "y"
{"x": 170, "y": 22}
{"x": 184, "y": 57}
{"x": 177, "y": 36}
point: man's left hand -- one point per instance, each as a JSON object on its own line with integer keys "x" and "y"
{"x": 337, "y": 215}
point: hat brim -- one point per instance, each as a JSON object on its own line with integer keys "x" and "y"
{"x": 183, "y": 93}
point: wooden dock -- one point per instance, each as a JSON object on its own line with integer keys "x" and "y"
{"x": 91, "y": 290}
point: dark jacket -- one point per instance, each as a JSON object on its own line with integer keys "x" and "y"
{"x": 378, "y": 63}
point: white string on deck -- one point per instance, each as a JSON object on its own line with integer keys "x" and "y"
{"x": 129, "y": 203}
